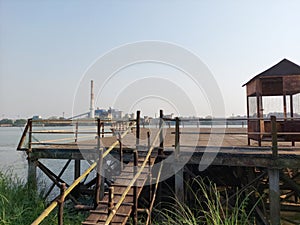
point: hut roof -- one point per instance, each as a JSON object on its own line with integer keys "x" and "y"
{"x": 283, "y": 68}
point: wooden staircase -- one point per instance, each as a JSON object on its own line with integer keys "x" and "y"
{"x": 104, "y": 208}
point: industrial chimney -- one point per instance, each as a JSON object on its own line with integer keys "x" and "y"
{"x": 92, "y": 103}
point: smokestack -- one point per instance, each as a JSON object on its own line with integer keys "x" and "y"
{"x": 92, "y": 103}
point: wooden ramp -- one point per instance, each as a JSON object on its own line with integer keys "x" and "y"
{"x": 101, "y": 213}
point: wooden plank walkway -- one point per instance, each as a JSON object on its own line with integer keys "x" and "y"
{"x": 100, "y": 214}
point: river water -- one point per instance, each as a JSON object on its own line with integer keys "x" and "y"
{"x": 11, "y": 159}
{"x": 15, "y": 162}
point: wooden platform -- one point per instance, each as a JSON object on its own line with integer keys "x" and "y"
{"x": 233, "y": 150}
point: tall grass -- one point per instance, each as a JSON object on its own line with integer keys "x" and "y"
{"x": 209, "y": 208}
{"x": 20, "y": 205}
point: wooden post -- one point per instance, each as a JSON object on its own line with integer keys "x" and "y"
{"x": 60, "y": 201}
{"x": 259, "y": 116}
{"x": 99, "y": 180}
{"x": 138, "y": 116}
{"x": 110, "y": 200}
{"x": 274, "y": 191}
{"x": 76, "y": 161}
{"x": 76, "y": 132}
{"x": 135, "y": 156}
{"x": 177, "y": 138}
{"x": 135, "y": 199}
{"x": 292, "y": 115}
{"x": 31, "y": 178}
{"x": 102, "y": 125}
{"x": 274, "y": 196}
{"x": 30, "y": 135}
{"x": 161, "y": 135}
{"x": 284, "y": 107}
{"x": 76, "y": 168}
{"x": 150, "y": 175}
{"x": 248, "y": 117}
{"x": 179, "y": 186}
{"x": 121, "y": 151}
{"x": 291, "y": 106}
{"x": 274, "y": 136}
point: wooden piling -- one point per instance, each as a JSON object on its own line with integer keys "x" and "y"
{"x": 274, "y": 196}
{"x": 32, "y": 173}
{"x": 274, "y": 190}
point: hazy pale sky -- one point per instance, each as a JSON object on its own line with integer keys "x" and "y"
{"x": 46, "y": 47}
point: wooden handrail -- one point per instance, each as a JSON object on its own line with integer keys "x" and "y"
{"x": 23, "y": 136}
{"x": 53, "y": 205}
{"x": 119, "y": 203}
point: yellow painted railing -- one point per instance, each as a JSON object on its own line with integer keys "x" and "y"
{"x": 119, "y": 203}
{"x": 52, "y": 206}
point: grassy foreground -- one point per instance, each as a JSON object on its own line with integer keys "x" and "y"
{"x": 19, "y": 205}
{"x": 209, "y": 208}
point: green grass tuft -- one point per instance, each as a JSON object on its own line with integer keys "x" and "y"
{"x": 209, "y": 208}
{"x": 20, "y": 205}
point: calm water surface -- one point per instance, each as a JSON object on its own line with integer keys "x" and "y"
{"x": 10, "y": 158}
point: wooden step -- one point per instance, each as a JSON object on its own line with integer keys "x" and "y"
{"x": 105, "y": 213}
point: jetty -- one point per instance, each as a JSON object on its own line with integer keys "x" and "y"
{"x": 273, "y": 165}
{"x": 135, "y": 165}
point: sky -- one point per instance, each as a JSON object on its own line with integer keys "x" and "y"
{"x": 48, "y": 47}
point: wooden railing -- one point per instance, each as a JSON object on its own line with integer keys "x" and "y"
{"x": 75, "y": 131}
{"x": 273, "y": 133}
{"x": 65, "y": 192}
{"x": 113, "y": 207}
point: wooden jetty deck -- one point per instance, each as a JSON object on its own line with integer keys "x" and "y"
{"x": 224, "y": 147}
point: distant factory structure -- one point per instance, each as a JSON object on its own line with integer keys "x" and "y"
{"x": 112, "y": 114}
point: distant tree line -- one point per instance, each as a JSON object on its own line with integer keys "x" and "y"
{"x": 14, "y": 123}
